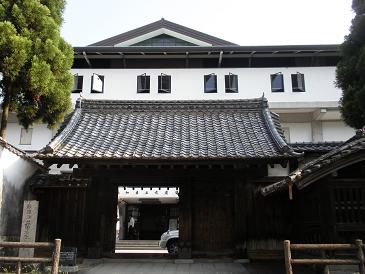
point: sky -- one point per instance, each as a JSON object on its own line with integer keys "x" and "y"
{"x": 244, "y": 22}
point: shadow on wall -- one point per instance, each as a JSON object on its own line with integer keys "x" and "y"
{"x": 14, "y": 172}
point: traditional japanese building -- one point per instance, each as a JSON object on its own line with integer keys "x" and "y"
{"x": 167, "y": 61}
{"x": 165, "y": 106}
{"x": 216, "y": 152}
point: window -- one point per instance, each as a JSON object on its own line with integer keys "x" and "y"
{"x": 297, "y": 81}
{"x": 210, "y": 83}
{"x": 26, "y": 136}
{"x": 97, "y": 83}
{"x": 348, "y": 204}
{"x": 78, "y": 81}
{"x": 277, "y": 82}
{"x": 164, "y": 83}
{"x": 143, "y": 83}
{"x": 231, "y": 81}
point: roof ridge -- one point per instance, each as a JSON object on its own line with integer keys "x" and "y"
{"x": 273, "y": 129}
{"x": 244, "y": 104}
{"x": 317, "y": 143}
{"x": 64, "y": 133}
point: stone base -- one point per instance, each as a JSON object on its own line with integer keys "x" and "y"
{"x": 184, "y": 250}
{"x": 69, "y": 269}
{"x": 64, "y": 269}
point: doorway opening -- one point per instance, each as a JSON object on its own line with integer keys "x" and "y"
{"x": 143, "y": 215}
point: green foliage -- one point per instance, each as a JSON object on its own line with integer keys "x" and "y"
{"x": 35, "y": 61}
{"x": 350, "y": 74}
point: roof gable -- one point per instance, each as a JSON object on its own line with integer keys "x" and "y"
{"x": 350, "y": 152}
{"x": 164, "y": 40}
{"x": 160, "y": 27}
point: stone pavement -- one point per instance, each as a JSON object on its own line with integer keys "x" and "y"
{"x": 169, "y": 266}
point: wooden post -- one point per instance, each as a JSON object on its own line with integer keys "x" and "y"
{"x": 185, "y": 220}
{"x": 56, "y": 256}
{"x": 360, "y": 256}
{"x": 18, "y": 268}
{"x": 326, "y": 269}
{"x": 287, "y": 254}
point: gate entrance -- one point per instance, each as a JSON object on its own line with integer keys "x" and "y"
{"x": 144, "y": 214}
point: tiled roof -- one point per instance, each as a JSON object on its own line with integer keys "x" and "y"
{"x": 352, "y": 151}
{"x": 319, "y": 147}
{"x": 169, "y": 130}
{"x": 20, "y": 153}
{"x": 112, "y": 41}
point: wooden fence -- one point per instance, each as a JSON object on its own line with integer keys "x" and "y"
{"x": 19, "y": 260}
{"x": 289, "y": 261}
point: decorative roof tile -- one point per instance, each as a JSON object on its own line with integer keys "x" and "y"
{"x": 169, "y": 130}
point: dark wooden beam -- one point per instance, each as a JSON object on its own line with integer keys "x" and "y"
{"x": 185, "y": 221}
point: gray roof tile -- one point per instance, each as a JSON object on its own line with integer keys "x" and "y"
{"x": 169, "y": 130}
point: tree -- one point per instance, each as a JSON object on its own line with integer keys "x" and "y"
{"x": 35, "y": 62}
{"x": 350, "y": 74}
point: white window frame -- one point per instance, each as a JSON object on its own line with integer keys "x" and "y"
{"x": 26, "y": 136}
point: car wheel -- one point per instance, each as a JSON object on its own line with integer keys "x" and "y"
{"x": 173, "y": 248}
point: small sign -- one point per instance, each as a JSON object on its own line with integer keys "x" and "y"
{"x": 68, "y": 256}
{"x": 29, "y": 226}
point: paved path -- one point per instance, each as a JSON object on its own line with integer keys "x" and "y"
{"x": 186, "y": 268}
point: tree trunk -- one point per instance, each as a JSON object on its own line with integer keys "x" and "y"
{"x": 5, "y": 112}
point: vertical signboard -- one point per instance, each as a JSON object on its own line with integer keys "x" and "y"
{"x": 29, "y": 227}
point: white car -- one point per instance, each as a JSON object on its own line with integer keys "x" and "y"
{"x": 170, "y": 240}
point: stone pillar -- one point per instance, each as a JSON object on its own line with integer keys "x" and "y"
{"x": 29, "y": 226}
{"x": 185, "y": 220}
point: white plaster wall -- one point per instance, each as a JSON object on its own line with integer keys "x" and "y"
{"x": 336, "y": 131}
{"x": 188, "y": 84}
{"x": 299, "y": 132}
{"x": 277, "y": 170}
{"x": 14, "y": 171}
{"x": 40, "y": 137}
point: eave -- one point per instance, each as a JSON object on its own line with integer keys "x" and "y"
{"x": 108, "y": 52}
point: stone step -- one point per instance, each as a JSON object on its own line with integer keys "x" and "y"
{"x": 138, "y": 247}
{"x": 137, "y": 244}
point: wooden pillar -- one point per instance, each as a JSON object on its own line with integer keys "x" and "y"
{"x": 185, "y": 220}
{"x": 109, "y": 217}
{"x": 240, "y": 222}
{"x": 102, "y": 201}
{"x": 94, "y": 205}
{"x": 287, "y": 255}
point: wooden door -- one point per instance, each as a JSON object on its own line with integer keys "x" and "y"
{"x": 212, "y": 218}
